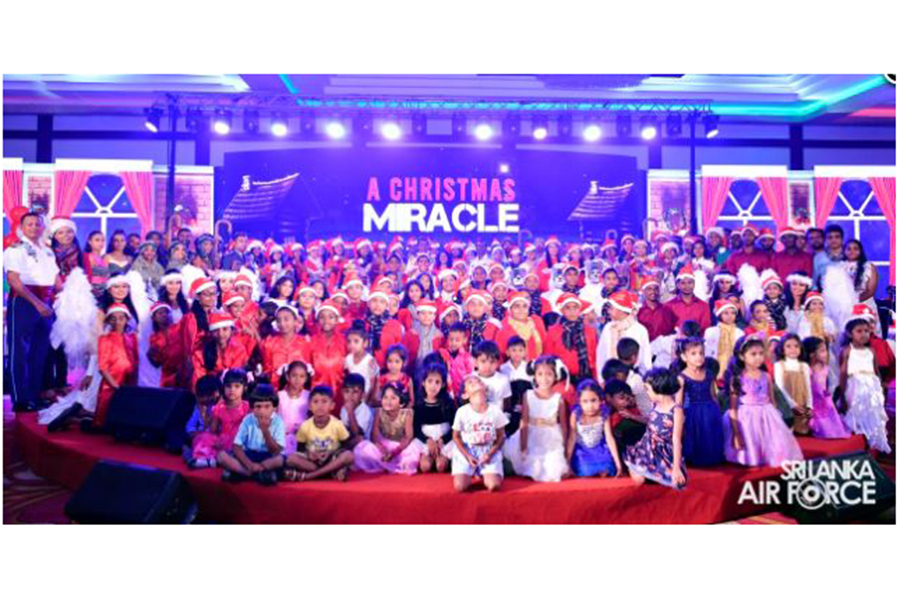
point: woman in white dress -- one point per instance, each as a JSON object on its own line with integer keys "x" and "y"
{"x": 864, "y": 276}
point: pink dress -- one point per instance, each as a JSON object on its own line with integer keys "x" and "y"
{"x": 767, "y": 439}
{"x": 293, "y": 412}
{"x": 825, "y": 421}
{"x": 367, "y": 457}
{"x": 231, "y": 422}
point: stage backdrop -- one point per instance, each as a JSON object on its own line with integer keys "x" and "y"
{"x": 379, "y": 192}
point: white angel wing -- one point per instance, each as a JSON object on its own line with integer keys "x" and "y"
{"x": 751, "y": 285}
{"x": 76, "y": 318}
{"x": 840, "y": 295}
{"x": 189, "y": 274}
{"x": 701, "y": 284}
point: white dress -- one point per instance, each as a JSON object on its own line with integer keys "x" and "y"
{"x": 865, "y": 399}
{"x": 545, "y": 459}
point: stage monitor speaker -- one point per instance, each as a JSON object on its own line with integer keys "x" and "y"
{"x": 153, "y": 416}
{"x": 839, "y": 489}
{"x": 120, "y": 493}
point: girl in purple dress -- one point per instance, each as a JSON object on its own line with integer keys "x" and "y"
{"x": 658, "y": 456}
{"x": 755, "y": 433}
{"x": 825, "y": 421}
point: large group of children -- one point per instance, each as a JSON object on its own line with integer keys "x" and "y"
{"x": 548, "y": 360}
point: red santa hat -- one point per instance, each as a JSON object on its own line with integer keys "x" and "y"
{"x": 362, "y": 243}
{"x": 524, "y": 297}
{"x": 170, "y": 277}
{"x": 813, "y": 296}
{"x": 200, "y": 285}
{"x": 315, "y": 245}
{"x": 623, "y": 301}
{"x": 799, "y": 277}
{"x": 282, "y": 305}
{"x": 499, "y": 283}
{"x": 242, "y": 280}
{"x": 226, "y": 275}
{"x": 384, "y": 280}
{"x": 609, "y": 243}
{"x": 641, "y": 242}
{"x": 552, "y": 240}
{"x": 648, "y": 281}
{"x": 716, "y": 230}
{"x": 445, "y": 273}
{"x": 724, "y": 276}
{"x": 572, "y": 265}
{"x": 306, "y": 289}
{"x": 478, "y": 295}
{"x": 569, "y": 298}
{"x": 395, "y": 247}
{"x": 669, "y": 246}
{"x": 788, "y": 231}
{"x": 765, "y": 232}
{"x": 253, "y": 244}
{"x": 159, "y": 306}
{"x": 656, "y": 235}
{"x": 775, "y": 335}
{"x": 686, "y": 272}
{"x": 118, "y": 280}
{"x": 770, "y": 277}
{"x": 118, "y": 307}
{"x": 750, "y": 228}
{"x": 724, "y": 304}
{"x": 57, "y": 223}
{"x": 446, "y": 309}
{"x": 530, "y": 247}
{"x": 220, "y": 321}
{"x": 353, "y": 279}
{"x": 379, "y": 294}
{"x": 426, "y": 305}
{"x": 329, "y": 305}
{"x": 340, "y": 294}
{"x": 295, "y": 247}
{"x": 231, "y": 297}
{"x": 864, "y": 311}
{"x": 492, "y": 266}
{"x": 531, "y": 274}
{"x": 627, "y": 236}
{"x": 273, "y": 249}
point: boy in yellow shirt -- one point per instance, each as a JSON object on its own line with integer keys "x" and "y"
{"x": 321, "y": 442}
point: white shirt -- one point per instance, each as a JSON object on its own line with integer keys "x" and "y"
{"x": 519, "y": 373}
{"x": 498, "y": 389}
{"x": 363, "y": 415}
{"x": 36, "y": 265}
{"x": 367, "y": 367}
{"x": 479, "y": 429}
{"x": 636, "y": 332}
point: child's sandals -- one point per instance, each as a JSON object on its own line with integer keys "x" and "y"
{"x": 294, "y": 475}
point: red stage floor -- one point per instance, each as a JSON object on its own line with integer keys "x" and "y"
{"x": 711, "y": 495}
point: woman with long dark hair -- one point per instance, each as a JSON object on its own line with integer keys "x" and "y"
{"x": 118, "y": 260}
{"x": 171, "y": 292}
{"x": 95, "y": 266}
{"x": 864, "y": 276}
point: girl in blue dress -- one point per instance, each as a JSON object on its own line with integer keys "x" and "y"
{"x": 591, "y": 448}
{"x": 703, "y": 436}
{"x": 658, "y": 456}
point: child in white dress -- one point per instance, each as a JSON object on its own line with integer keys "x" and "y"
{"x": 861, "y": 387}
{"x": 538, "y": 450}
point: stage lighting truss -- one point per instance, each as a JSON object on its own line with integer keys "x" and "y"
{"x": 153, "y": 118}
{"x": 251, "y": 121}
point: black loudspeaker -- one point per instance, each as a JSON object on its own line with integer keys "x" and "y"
{"x": 120, "y": 493}
{"x": 837, "y": 489}
{"x": 152, "y": 416}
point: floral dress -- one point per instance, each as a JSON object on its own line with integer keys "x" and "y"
{"x": 653, "y": 456}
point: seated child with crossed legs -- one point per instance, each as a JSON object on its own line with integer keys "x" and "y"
{"x": 259, "y": 441}
{"x": 323, "y": 438}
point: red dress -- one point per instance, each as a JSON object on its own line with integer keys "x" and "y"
{"x": 277, "y": 351}
{"x": 531, "y": 348}
{"x": 391, "y": 333}
{"x": 230, "y": 420}
{"x": 249, "y": 318}
{"x": 169, "y": 346}
{"x": 327, "y": 357}
{"x": 556, "y": 346}
{"x": 117, "y": 356}
{"x": 411, "y": 342}
{"x": 234, "y": 357}
{"x": 355, "y": 311}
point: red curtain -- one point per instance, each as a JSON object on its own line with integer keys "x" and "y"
{"x": 714, "y": 195}
{"x": 775, "y": 195}
{"x": 69, "y": 188}
{"x": 139, "y": 187}
{"x": 12, "y": 191}
{"x": 826, "y": 191}
{"x": 885, "y": 189}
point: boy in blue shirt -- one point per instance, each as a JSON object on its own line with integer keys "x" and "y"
{"x": 259, "y": 441}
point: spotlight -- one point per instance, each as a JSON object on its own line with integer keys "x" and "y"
{"x": 222, "y": 122}
{"x": 458, "y": 125}
{"x": 335, "y": 130}
{"x": 154, "y": 115}
{"x": 192, "y": 119}
{"x": 673, "y": 125}
{"x": 483, "y": 132}
{"x": 649, "y": 129}
{"x": 251, "y": 121}
{"x": 539, "y": 127}
{"x": 592, "y": 133}
{"x": 504, "y": 168}
{"x": 711, "y": 125}
{"x": 390, "y": 130}
{"x": 623, "y": 126}
{"x": 564, "y": 126}
{"x": 279, "y": 126}
{"x": 419, "y": 124}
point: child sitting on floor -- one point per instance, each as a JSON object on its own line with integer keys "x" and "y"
{"x": 321, "y": 442}
{"x": 293, "y": 400}
{"x": 391, "y": 448}
{"x": 538, "y": 449}
{"x": 231, "y": 410}
{"x": 627, "y": 422}
{"x": 658, "y": 455}
{"x": 356, "y": 415}
{"x": 478, "y": 435}
{"x": 259, "y": 443}
{"x": 628, "y": 351}
{"x": 591, "y": 448}
{"x": 201, "y": 449}
{"x": 432, "y": 419}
